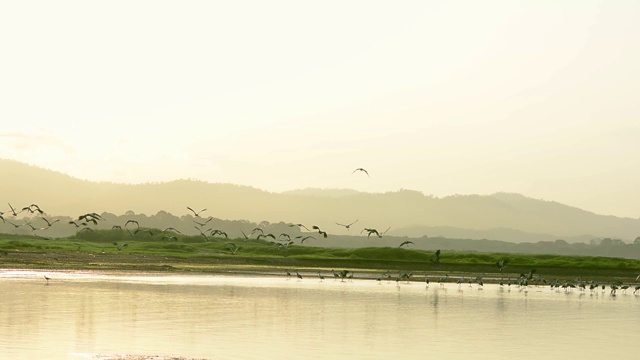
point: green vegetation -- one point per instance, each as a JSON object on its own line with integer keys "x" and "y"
{"x": 154, "y": 250}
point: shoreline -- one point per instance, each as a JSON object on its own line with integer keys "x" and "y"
{"x": 256, "y": 267}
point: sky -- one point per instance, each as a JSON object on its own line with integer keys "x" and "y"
{"x": 444, "y": 97}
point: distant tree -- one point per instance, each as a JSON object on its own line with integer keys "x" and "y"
{"x": 606, "y": 242}
{"x": 561, "y": 242}
{"x": 617, "y": 242}
{"x": 636, "y": 241}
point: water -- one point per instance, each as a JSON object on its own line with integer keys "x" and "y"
{"x": 81, "y": 315}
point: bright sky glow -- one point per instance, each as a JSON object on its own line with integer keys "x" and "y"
{"x": 443, "y": 97}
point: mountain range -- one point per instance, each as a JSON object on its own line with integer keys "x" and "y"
{"x": 500, "y": 216}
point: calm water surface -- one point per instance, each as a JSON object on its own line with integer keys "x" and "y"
{"x": 80, "y": 315}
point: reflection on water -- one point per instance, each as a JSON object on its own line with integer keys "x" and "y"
{"x": 218, "y": 317}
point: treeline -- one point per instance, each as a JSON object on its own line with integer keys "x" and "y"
{"x": 64, "y": 226}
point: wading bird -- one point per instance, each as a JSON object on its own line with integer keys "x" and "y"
{"x": 443, "y": 279}
{"x": 360, "y": 169}
{"x": 501, "y": 264}
{"x": 405, "y": 243}
{"x": 347, "y": 226}
{"x": 436, "y": 257}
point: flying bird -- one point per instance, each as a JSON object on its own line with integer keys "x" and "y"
{"x": 306, "y": 238}
{"x": 266, "y": 236}
{"x": 360, "y": 169}
{"x": 370, "y": 231}
{"x": 298, "y": 225}
{"x": 92, "y": 217}
{"x": 49, "y": 223}
{"x": 13, "y": 210}
{"x": 196, "y": 213}
{"x": 132, "y": 222}
{"x": 232, "y": 247}
{"x": 204, "y": 223}
{"x": 172, "y": 229}
{"x": 405, "y": 243}
{"x": 347, "y": 226}
{"x": 323, "y": 233}
{"x": 120, "y": 246}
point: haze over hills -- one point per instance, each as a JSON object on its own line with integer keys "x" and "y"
{"x": 500, "y": 216}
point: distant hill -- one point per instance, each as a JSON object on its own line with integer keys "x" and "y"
{"x": 501, "y": 216}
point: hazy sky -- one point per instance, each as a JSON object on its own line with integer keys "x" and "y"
{"x": 443, "y": 97}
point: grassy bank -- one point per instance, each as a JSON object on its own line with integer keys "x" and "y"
{"x": 155, "y": 251}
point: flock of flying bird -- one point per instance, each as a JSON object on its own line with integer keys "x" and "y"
{"x": 84, "y": 222}
{"x": 283, "y": 241}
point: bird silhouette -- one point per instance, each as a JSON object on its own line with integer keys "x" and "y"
{"x": 49, "y": 223}
{"x": 196, "y": 213}
{"x": 135, "y": 222}
{"x": 360, "y": 169}
{"x": 232, "y": 247}
{"x": 501, "y": 264}
{"x": 120, "y": 246}
{"x": 436, "y": 257}
{"x": 13, "y": 210}
{"x": 306, "y": 238}
{"x": 299, "y": 225}
{"x": 204, "y": 223}
{"x": 370, "y": 231}
{"x": 405, "y": 243}
{"x": 347, "y": 226}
